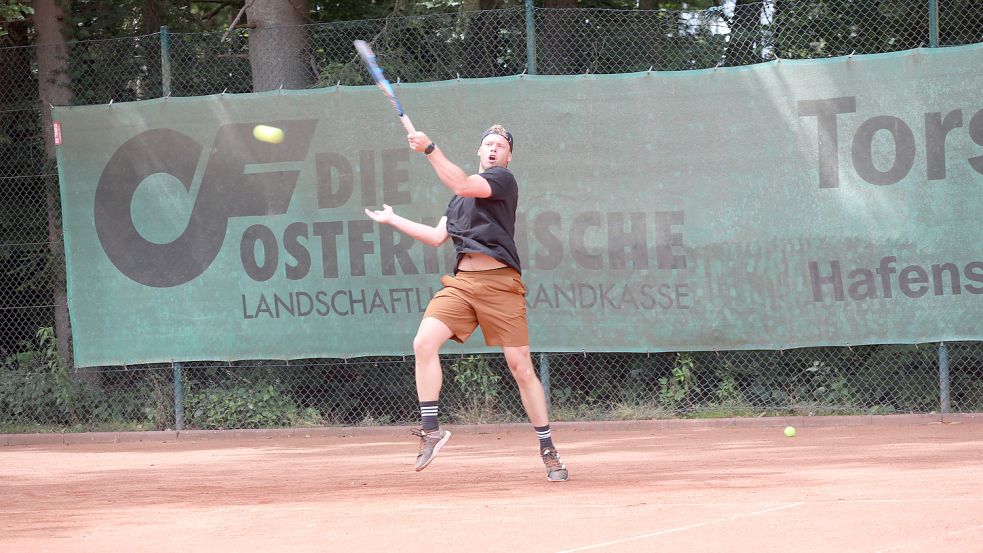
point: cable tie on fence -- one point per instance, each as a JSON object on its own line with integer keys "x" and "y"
{"x": 224, "y": 91}
{"x": 110, "y": 102}
{"x": 458, "y": 76}
{"x": 851, "y": 54}
{"x": 651, "y": 67}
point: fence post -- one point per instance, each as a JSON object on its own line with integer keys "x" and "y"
{"x": 165, "y": 60}
{"x": 530, "y": 39}
{"x": 178, "y": 398}
{"x": 544, "y": 377}
{"x": 944, "y": 398}
{"x": 933, "y": 23}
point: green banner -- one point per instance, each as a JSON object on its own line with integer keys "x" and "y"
{"x": 787, "y": 204}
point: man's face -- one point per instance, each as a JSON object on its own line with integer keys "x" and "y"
{"x": 494, "y": 151}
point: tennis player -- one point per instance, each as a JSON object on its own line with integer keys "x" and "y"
{"x": 486, "y": 288}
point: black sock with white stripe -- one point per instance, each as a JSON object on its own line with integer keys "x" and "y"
{"x": 545, "y": 437}
{"x": 428, "y": 412}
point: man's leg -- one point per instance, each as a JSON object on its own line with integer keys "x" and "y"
{"x": 530, "y": 388}
{"x": 430, "y": 337}
{"x": 429, "y": 378}
{"x": 534, "y": 401}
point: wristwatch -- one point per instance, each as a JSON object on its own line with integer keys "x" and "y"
{"x": 429, "y": 149}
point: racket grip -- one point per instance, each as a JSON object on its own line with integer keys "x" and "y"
{"x": 407, "y": 124}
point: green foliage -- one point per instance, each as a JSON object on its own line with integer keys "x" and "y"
{"x": 261, "y": 406}
{"x": 476, "y": 378}
{"x": 335, "y": 73}
{"x": 673, "y": 389}
{"x": 480, "y": 387}
{"x": 727, "y": 392}
{"x": 820, "y": 383}
{"x": 35, "y": 386}
{"x": 37, "y": 389}
{"x": 13, "y": 10}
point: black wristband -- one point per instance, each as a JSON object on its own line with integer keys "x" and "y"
{"x": 429, "y": 149}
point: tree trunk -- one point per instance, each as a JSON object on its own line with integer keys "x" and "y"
{"x": 482, "y": 39}
{"x": 278, "y": 44}
{"x": 560, "y": 28}
{"x": 745, "y": 34}
{"x": 151, "y": 17}
{"x": 54, "y": 87}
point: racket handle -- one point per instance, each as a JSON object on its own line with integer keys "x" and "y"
{"x": 405, "y": 120}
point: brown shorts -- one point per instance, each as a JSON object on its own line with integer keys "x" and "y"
{"x": 494, "y": 299}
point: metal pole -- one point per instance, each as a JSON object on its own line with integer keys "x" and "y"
{"x": 530, "y": 39}
{"x": 933, "y": 23}
{"x": 165, "y": 60}
{"x": 178, "y": 398}
{"x": 945, "y": 400}
{"x": 544, "y": 377}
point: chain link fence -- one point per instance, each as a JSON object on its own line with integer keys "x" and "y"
{"x": 39, "y": 392}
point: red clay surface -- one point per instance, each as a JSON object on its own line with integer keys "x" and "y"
{"x": 868, "y": 484}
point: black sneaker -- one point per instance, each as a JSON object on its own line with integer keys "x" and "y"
{"x": 556, "y": 471}
{"x": 430, "y": 444}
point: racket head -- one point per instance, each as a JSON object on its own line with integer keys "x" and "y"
{"x": 372, "y": 65}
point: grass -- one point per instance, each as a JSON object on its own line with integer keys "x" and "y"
{"x": 483, "y": 412}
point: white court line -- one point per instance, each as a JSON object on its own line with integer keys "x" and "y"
{"x": 899, "y": 547}
{"x": 260, "y": 509}
{"x": 679, "y": 529}
{"x": 498, "y": 503}
{"x": 505, "y": 505}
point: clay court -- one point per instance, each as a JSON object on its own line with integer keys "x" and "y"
{"x": 866, "y": 484}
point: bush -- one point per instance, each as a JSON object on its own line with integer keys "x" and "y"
{"x": 261, "y": 406}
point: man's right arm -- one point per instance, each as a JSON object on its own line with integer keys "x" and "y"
{"x": 453, "y": 177}
{"x": 432, "y": 236}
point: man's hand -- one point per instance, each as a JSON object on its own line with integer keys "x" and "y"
{"x": 383, "y": 216}
{"x": 418, "y": 141}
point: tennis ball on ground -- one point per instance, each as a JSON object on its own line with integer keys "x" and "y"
{"x": 790, "y": 431}
{"x": 264, "y": 133}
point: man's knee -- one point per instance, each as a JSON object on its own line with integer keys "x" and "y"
{"x": 424, "y": 344}
{"x": 523, "y": 372}
{"x": 430, "y": 336}
{"x": 520, "y": 363}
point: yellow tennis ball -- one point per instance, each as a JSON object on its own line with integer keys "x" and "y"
{"x": 790, "y": 431}
{"x": 264, "y": 133}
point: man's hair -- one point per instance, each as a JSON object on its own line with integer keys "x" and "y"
{"x": 500, "y": 131}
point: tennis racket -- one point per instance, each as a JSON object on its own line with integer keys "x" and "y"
{"x": 368, "y": 58}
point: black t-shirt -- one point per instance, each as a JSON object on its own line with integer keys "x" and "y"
{"x": 487, "y": 225}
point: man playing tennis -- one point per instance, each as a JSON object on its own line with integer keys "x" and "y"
{"x": 486, "y": 288}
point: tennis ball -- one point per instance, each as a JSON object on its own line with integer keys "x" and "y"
{"x": 790, "y": 431}
{"x": 263, "y": 133}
